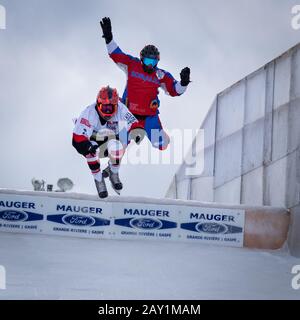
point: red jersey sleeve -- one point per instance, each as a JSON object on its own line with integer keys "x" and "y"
{"x": 122, "y": 59}
{"x": 171, "y": 86}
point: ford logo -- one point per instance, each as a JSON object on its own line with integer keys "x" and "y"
{"x": 78, "y": 220}
{"x": 146, "y": 223}
{"x": 211, "y": 227}
{"x": 11, "y": 215}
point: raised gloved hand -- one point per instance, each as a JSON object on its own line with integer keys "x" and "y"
{"x": 185, "y": 76}
{"x": 137, "y": 135}
{"x": 106, "y": 28}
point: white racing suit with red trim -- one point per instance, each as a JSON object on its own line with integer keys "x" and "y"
{"x": 141, "y": 93}
{"x": 113, "y": 136}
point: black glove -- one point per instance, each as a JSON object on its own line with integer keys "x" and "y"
{"x": 92, "y": 149}
{"x": 137, "y": 135}
{"x": 106, "y": 28}
{"x": 185, "y": 76}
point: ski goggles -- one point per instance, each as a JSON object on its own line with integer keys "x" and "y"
{"x": 107, "y": 109}
{"x": 150, "y": 61}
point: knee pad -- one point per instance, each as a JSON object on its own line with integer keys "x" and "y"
{"x": 160, "y": 140}
{"x": 137, "y": 135}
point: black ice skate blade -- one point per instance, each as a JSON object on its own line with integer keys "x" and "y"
{"x": 118, "y": 192}
{"x": 105, "y": 174}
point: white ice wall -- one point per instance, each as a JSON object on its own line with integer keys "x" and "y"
{"x": 252, "y": 143}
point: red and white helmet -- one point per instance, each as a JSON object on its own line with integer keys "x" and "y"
{"x": 107, "y": 102}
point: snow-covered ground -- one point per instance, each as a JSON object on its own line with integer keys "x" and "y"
{"x": 47, "y": 267}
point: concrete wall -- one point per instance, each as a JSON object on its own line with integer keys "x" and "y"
{"x": 252, "y": 144}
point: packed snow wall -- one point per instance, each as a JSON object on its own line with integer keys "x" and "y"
{"x": 252, "y": 139}
{"x": 129, "y": 218}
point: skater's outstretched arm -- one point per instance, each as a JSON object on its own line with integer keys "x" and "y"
{"x": 116, "y": 54}
{"x": 173, "y": 87}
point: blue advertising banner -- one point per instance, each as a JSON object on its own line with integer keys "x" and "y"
{"x": 21, "y": 214}
{"x": 212, "y": 225}
{"x": 145, "y": 221}
{"x": 56, "y": 215}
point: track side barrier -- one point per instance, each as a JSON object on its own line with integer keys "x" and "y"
{"x": 132, "y": 218}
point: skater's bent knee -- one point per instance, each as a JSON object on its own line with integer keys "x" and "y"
{"x": 115, "y": 149}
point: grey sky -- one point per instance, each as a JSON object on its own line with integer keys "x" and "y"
{"x": 53, "y": 61}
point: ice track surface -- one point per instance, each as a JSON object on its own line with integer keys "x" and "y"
{"x": 47, "y": 267}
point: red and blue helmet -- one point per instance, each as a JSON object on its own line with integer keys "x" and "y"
{"x": 150, "y": 57}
